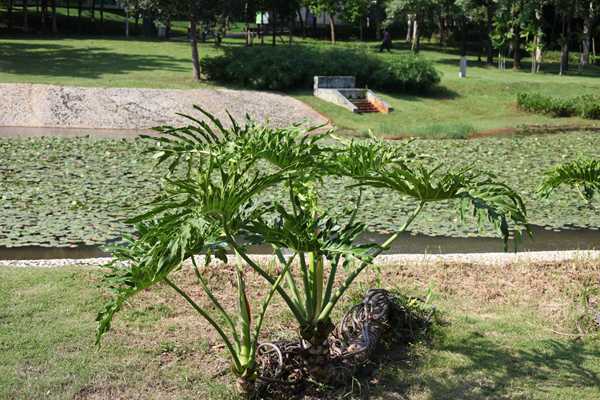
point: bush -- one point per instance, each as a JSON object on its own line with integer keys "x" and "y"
{"x": 291, "y": 67}
{"x": 406, "y": 73}
{"x": 587, "y": 106}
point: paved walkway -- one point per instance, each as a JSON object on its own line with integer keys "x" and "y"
{"x": 28, "y": 105}
{"x": 491, "y": 259}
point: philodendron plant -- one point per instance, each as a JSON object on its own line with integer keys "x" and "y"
{"x": 583, "y": 175}
{"x": 214, "y": 203}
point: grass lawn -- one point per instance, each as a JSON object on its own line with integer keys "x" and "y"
{"x": 506, "y": 333}
{"x": 485, "y": 101}
{"x": 99, "y": 62}
{"x": 105, "y": 181}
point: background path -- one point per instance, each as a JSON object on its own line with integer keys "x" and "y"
{"x": 32, "y": 105}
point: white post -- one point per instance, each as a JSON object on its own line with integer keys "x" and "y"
{"x": 463, "y": 67}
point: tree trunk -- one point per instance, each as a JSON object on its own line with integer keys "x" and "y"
{"x": 102, "y": 14}
{"x": 536, "y": 52}
{"x": 194, "y": 44}
{"x": 362, "y": 30}
{"x": 44, "y": 14}
{"x": 68, "y": 8}
{"x": 443, "y": 22}
{"x": 306, "y": 15}
{"x": 302, "y": 25}
{"x": 274, "y": 27}
{"x": 587, "y": 35}
{"x": 25, "y": 16}
{"x": 54, "y": 25}
{"x": 9, "y": 9}
{"x": 564, "y": 47}
{"x": 516, "y": 42}
{"x": 332, "y": 27}
{"x": 490, "y": 29}
{"x": 409, "y": 28}
{"x": 79, "y": 12}
{"x": 416, "y": 35}
{"x": 93, "y": 11}
{"x": 127, "y": 23}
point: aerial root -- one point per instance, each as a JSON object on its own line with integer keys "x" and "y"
{"x": 380, "y": 319}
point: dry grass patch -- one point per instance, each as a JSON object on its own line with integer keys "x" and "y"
{"x": 508, "y": 332}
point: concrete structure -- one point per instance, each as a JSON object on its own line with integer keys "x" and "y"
{"x": 342, "y": 91}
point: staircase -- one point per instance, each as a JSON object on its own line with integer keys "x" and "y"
{"x": 364, "y": 106}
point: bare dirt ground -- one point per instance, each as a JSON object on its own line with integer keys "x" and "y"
{"x": 28, "y": 105}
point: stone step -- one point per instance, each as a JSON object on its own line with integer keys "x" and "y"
{"x": 364, "y": 106}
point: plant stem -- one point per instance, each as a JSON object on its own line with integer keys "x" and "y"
{"x": 211, "y": 321}
{"x": 354, "y": 274}
{"x": 264, "y": 274}
{"x": 216, "y": 303}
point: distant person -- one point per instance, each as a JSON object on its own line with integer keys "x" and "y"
{"x": 387, "y": 41}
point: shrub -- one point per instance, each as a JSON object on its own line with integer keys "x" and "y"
{"x": 589, "y": 107}
{"x": 406, "y": 73}
{"x": 290, "y": 67}
{"x": 586, "y": 106}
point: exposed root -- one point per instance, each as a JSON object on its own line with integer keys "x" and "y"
{"x": 381, "y": 319}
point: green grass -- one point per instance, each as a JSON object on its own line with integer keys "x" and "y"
{"x": 100, "y": 62}
{"x": 497, "y": 340}
{"x": 482, "y": 102}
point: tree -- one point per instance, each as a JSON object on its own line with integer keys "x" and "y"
{"x": 589, "y": 14}
{"x": 331, "y": 8}
{"x": 418, "y": 8}
{"x": 355, "y": 12}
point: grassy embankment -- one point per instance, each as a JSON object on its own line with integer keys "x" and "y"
{"x": 507, "y": 332}
{"x": 484, "y": 102}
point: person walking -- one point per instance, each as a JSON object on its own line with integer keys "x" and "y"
{"x": 387, "y": 41}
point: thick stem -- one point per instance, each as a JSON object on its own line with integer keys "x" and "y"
{"x": 214, "y": 300}
{"x": 354, "y": 274}
{"x": 211, "y": 321}
{"x": 269, "y": 278}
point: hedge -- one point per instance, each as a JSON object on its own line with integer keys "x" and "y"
{"x": 293, "y": 67}
{"x": 585, "y": 106}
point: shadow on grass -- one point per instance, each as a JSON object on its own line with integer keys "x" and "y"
{"x": 492, "y": 371}
{"x": 58, "y": 60}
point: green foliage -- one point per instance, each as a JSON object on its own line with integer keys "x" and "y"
{"x": 586, "y": 106}
{"x": 288, "y": 67}
{"x": 583, "y": 175}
